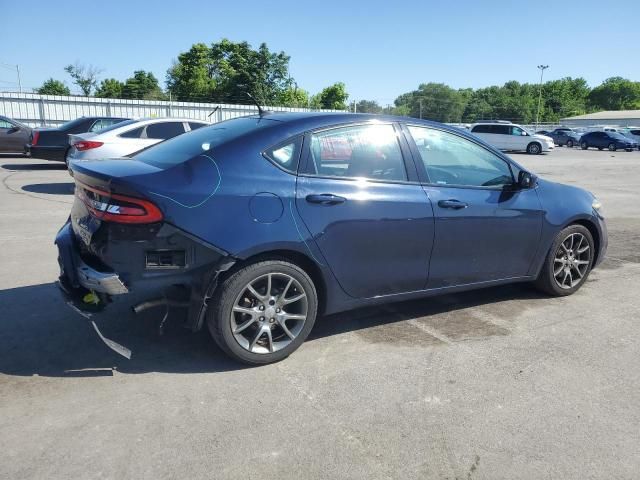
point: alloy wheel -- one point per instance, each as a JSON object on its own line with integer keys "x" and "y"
{"x": 571, "y": 261}
{"x": 269, "y": 313}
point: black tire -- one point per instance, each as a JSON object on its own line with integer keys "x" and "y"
{"x": 570, "y": 143}
{"x": 612, "y": 147}
{"x": 546, "y": 281}
{"x": 220, "y": 313}
{"x": 584, "y": 145}
{"x": 534, "y": 148}
{"x": 66, "y": 156}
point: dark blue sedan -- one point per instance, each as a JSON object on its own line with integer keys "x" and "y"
{"x": 609, "y": 140}
{"x": 267, "y": 221}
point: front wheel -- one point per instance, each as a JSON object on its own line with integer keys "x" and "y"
{"x": 263, "y": 312}
{"x": 612, "y": 147}
{"x": 584, "y": 145}
{"x": 534, "y": 148}
{"x": 570, "y": 143}
{"x": 568, "y": 262}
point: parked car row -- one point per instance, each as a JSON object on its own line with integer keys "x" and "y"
{"x": 90, "y": 137}
{"x": 608, "y": 137}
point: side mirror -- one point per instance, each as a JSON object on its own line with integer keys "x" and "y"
{"x": 523, "y": 133}
{"x": 526, "y": 180}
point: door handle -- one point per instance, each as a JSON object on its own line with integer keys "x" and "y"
{"x": 326, "y": 199}
{"x": 455, "y": 204}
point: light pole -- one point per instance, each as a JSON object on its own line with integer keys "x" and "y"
{"x": 542, "y": 69}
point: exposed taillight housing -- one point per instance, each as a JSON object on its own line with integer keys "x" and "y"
{"x": 111, "y": 207}
{"x": 83, "y": 145}
{"x": 35, "y": 137}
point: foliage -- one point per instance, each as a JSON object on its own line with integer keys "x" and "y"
{"x": 85, "y": 76}
{"x": 615, "y": 93}
{"x": 332, "y": 97}
{"x": 226, "y": 70}
{"x": 368, "y": 106}
{"x": 53, "y": 87}
{"x": 143, "y": 86}
{"x": 110, "y": 88}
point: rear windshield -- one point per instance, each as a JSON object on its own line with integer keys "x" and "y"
{"x": 123, "y": 123}
{"x": 188, "y": 145}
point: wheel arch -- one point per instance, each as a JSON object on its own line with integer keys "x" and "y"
{"x": 293, "y": 256}
{"x": 593, "y": 230}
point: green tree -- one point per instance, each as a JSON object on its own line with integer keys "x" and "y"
{"x": 332, "y": 97}
{"x": 110, "y": 88}
{"x": 143, "y": 86}
{"x": 226, "y": 70}
{"x": 294, "y": 97}
{"x": 190, "y": 78}
{"x": 615, "y": 93}
{"x": 85, "y": 76}
{"x": 53, "y": 87}
{"x": 368, "y": 106}
{"x": 434, "y": 101}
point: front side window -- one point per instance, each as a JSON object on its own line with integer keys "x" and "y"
{"x": 517, "y": 131}
{"x": 453, "y": 160}
{"x": 165, "y": 130}
{"x": 359, "y": 151}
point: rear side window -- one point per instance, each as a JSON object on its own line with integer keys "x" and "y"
{"x": 195, "y": 126}
{"x": 285, "y": 154}
{"x": 165, "y": 130}
{"x": 135, "y": 133}
{"x": 359, "y": 151}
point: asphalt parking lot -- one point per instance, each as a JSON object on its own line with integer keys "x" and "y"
{"x": 497, "y": 383}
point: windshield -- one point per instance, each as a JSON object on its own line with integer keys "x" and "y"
{"x": 188, "y": 145}
{"x": 617, "y": 136}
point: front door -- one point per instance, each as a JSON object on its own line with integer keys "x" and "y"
{"x": 372, "y": 221}
{"x": 485, "y": 228}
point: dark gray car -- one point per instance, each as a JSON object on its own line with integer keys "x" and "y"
{"x": 13, "y": 136}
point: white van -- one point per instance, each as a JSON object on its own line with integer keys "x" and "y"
{"x": 511, "y": 137}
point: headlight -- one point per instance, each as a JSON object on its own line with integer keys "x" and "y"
{"x": 597, "y": 207}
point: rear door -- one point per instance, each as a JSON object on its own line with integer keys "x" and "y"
{"x": 359, "y": 196}
{"x": 485, "y": 229}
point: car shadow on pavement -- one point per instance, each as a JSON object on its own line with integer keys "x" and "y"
{"x": 34, "y": 166}
{"x": 61, "y": 188}
{"x": 41, "y": 335}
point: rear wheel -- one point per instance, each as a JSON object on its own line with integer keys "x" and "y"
{"x": 570, "y": 143}
{"x": 534, "y": 148}
{"x": 612, "y": 147}
{"x": 263, "y": 312}
{"x": 568, "y": 262}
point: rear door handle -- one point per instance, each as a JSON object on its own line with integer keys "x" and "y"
{"x": 455, "y": 204}
{"x": 326, "y": 199}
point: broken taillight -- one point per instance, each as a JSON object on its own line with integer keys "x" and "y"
{"x": 111, "y": 207}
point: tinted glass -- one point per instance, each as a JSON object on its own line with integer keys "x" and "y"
{"x": 72, "y": 123}
{"x": 195, "y": 126}
{"x": 617, "y": 136}
{"x": 5, "y": 124}
{"x": 135, "y": 133}
{"x": 285, "y": 154}
{"x": 453, "y": 160}
{"x": 481, "y": 129}
{"x": 187, "y": 146}
{"x": 501, "y": 129}
{"x": 634, "y": 132}
{"x": 362, "y": 151}
{"x": 165, "y": 130}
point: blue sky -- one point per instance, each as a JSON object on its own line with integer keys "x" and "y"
{"x": 378, "y": 48}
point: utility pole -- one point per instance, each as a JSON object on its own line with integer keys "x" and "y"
{"x": 19, "y": 82}
{"x": 542, "y": 69}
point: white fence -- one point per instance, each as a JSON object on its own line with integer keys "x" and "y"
{"x": 51, "y": 110}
